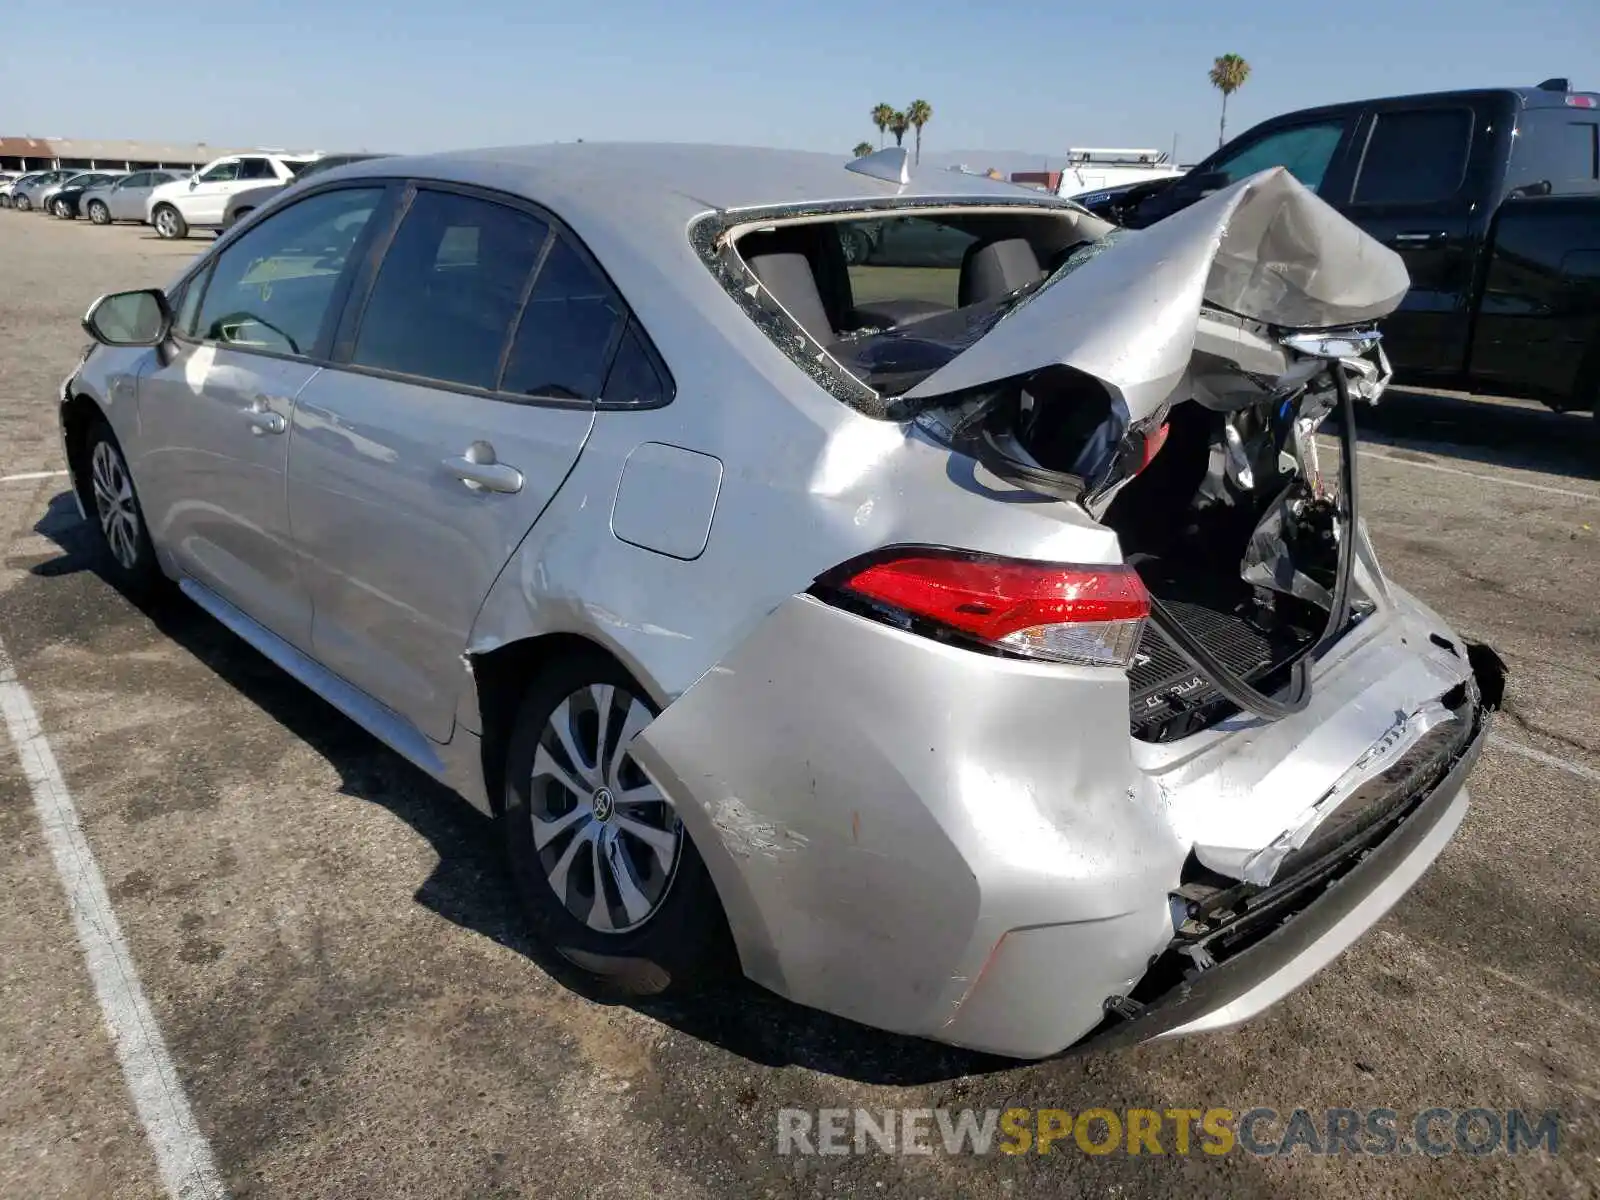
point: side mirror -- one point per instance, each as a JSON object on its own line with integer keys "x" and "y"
{"x": 140, "y": 318}
{"x": 194, "y": 182}
{"x": 1206, "y": 182}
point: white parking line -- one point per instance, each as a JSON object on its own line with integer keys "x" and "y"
{"x": 1367, "y": 452}
{"x": 182, "y": 1155}
{"x": 27, "y": 475}
{"x": 1549, "y": 760}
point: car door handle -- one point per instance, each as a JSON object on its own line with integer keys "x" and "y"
{"x": 480, "y": 472}
{"x": 1419, "y": 239}
{"x": 261, "y": 419}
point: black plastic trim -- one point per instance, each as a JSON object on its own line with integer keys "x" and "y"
{"x": 1211, "y": 988}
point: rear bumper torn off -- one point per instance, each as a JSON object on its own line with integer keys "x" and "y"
{"x": 1314, "y": 918}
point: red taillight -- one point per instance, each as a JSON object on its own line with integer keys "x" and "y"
{"x": 1153, "y": 441}
{"x": 1082, "y": 614}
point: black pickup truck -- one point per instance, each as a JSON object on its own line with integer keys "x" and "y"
{"x": 1493, "y": 199}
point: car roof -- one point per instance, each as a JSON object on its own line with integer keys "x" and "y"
{"x": 632, "y": 204}
{"x": 1522, "y": 97}
{"x": 622, "y": 178}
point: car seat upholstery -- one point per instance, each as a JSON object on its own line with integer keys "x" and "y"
{"x": 829, "y": 274}
{"x": 790, "y": 280}
{"x": 992, "y": 270}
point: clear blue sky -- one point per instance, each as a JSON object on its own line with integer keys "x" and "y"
{"x": 1004, "y": 75}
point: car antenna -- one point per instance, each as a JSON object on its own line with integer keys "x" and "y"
{"x": 892, "y": 164}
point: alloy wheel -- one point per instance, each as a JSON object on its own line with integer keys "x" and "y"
{"x": 99, "y": 214}
{"x": 166, "y": 226}
{"x": 114, "y": 502}
{"x": 606, "y": 838}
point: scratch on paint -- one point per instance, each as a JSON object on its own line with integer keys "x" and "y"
{"x": 745, "y": 834}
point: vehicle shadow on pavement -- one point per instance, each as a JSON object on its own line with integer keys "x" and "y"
{"x": 1500, "y": 434}
{"x": 469, "y": 885}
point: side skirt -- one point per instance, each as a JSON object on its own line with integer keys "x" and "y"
{"x": 455, "y": 764}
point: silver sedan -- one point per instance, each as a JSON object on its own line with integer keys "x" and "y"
{"x": 124, "y": 199}
{"x": 983, "y": 647}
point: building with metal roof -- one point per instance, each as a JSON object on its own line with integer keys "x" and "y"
{"x": 48, "y": 153}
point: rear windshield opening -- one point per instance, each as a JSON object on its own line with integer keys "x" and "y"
{"x": 892, "y": 298}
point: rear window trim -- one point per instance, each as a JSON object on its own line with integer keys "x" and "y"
{"x": 714, "y": 237}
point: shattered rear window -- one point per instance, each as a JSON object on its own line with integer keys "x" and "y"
{"x": 869, "y": 303}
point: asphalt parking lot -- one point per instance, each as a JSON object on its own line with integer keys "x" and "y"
{"x": 334, "y": 962}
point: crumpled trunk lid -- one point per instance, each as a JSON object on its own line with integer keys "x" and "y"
{"x": 1265, "y": 249}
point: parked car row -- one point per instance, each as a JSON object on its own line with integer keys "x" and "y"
{"x": 171, "y": 200}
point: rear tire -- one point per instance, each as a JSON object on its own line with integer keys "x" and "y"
{"x": 62, "y": 211}
{"x": 169, "y": 223}
{"x": 127, "y": 557}
{"x": 607, "y": 876}
{"x": 21, "y": 204}
{"x": 99, "y": 214}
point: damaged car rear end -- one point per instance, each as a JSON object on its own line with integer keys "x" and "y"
{"x": 1099, "y": 716}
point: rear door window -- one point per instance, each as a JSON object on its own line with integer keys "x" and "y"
{"x": 1415, "y": 156}
{"x": 568, "y": 328}
{"x": 449, "y": 290}
{"x": 256, "y": 168}
{"x": 635, "y": 380}
{"x": 1305, "y": 151}
{"x": 272, "y": 289}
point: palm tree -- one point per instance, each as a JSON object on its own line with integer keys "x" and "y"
{"x": 1228, "y": 74}
{"x": 898, "y": 124}
{"x": 919, "y": 114}
{"x": 862, "y": 148}
{"x": 882, "y": 114}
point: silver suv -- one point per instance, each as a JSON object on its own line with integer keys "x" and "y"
{"x": 972, "y": 646}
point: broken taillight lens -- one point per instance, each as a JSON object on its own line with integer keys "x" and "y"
{"x": 1052, "y": 611}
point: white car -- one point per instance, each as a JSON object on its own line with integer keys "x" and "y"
{"x": 198, "y": 202}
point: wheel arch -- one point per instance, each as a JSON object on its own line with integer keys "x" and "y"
{"x": 501, "y": 676}
{"x": 1586, "y": 385}
{"x": 79, "y": 414}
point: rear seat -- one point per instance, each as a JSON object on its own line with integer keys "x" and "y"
{"x": 788, "y": 276}
{"x": 993, "y": 270}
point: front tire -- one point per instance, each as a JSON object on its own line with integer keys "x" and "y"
{"x": 127, "y": 557}
{"x": 99, "y": 214}
{"x": 63, "y": 211}
{"x": 169, "y": 223}
{"x": 606, "y": 872}
{"x": 22, "y": 204}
